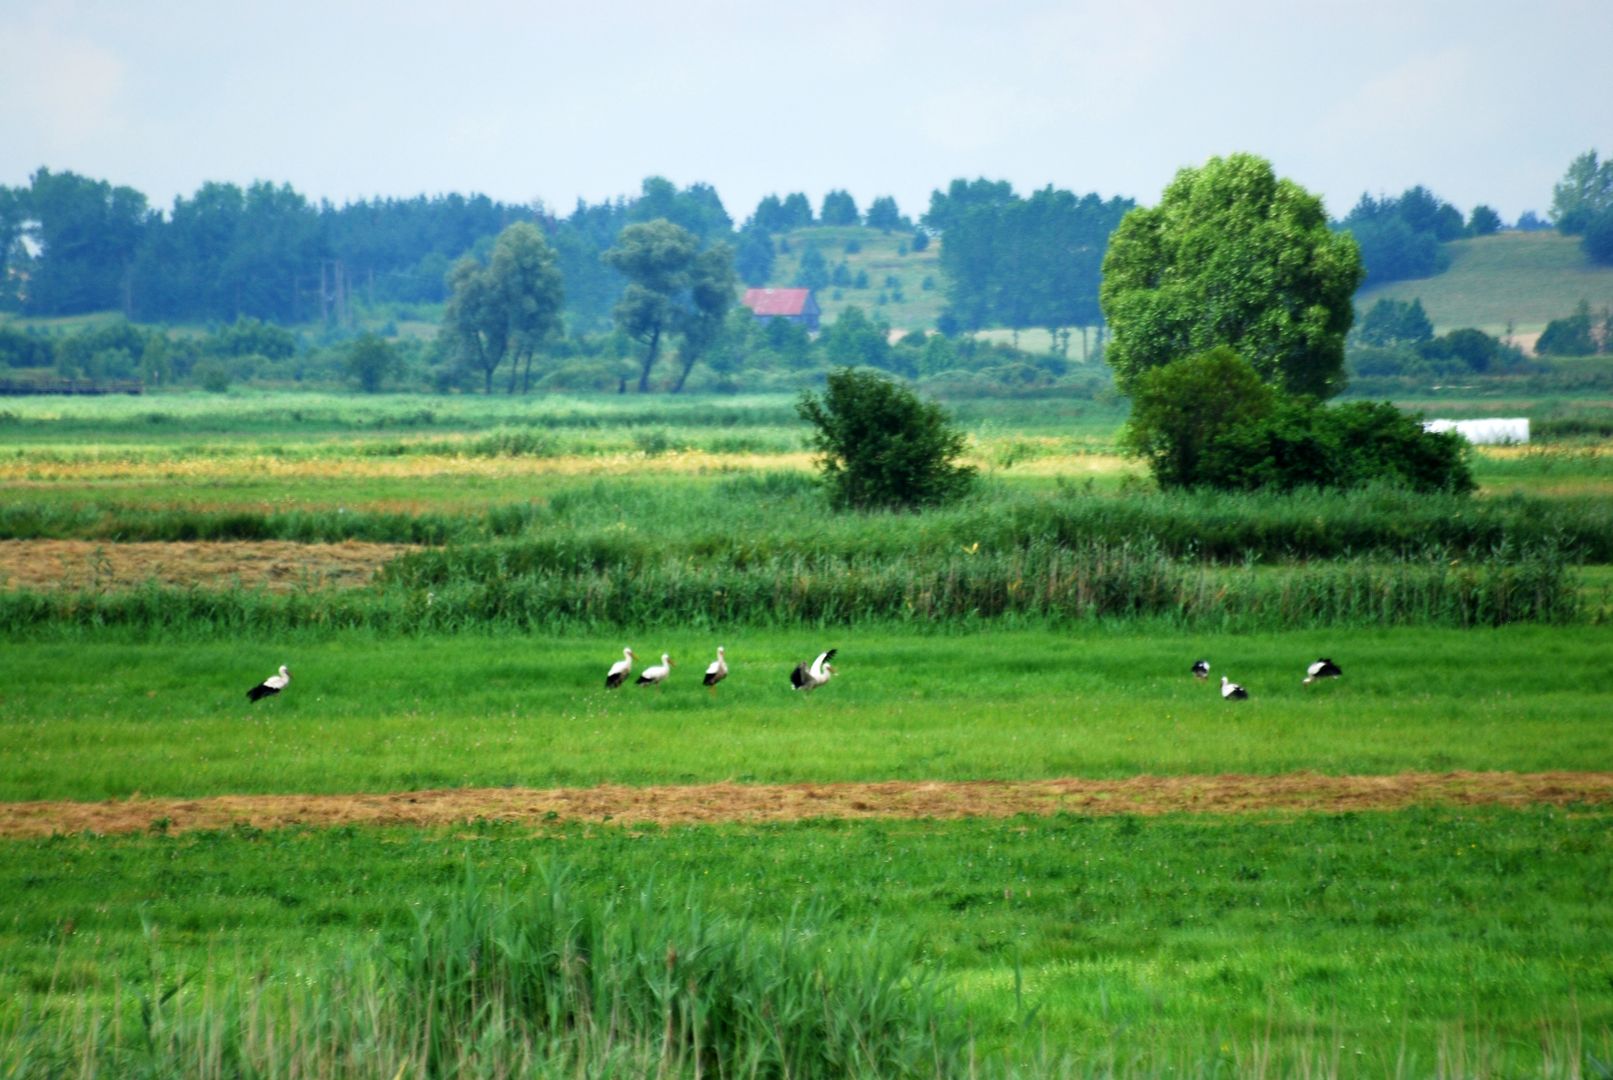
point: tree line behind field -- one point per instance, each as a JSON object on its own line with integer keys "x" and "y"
{"x": 528, "y": 299}
{"x": 71, "y": 244}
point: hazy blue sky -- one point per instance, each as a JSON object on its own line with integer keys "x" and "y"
{"x": 1481, "y": 101}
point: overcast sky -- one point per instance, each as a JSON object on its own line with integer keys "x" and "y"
{"x": 1482, "y": 101}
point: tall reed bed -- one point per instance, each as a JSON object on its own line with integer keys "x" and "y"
{"x": 545, "y": 983}
{"x": 754, "y": 516}
{"x": 522, "y": 588}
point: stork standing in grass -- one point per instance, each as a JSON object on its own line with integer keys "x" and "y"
{"x": 620, "y": 670}
{"x": 1231, "y": 691}
{"x": 270, "y": 686}
{"x": 1322, "y": 669}
{"x": 653, "y": 676}
{"x": 809, "y": 677}
{"x": 1201, "y": 669}
{"x": 717, "y": 671}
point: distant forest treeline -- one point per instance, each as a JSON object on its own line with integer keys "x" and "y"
{"x": 70, "y": 244}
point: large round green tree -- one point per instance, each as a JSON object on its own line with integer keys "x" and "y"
{"x": 1232, "y": 256}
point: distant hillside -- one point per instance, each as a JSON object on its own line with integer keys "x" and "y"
{"x": 906, "y": 305}
{"x": 1521, "y": 279}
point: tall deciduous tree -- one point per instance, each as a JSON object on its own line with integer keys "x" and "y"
{"x": 506, "y": 308}
{"x": 1024, "y": 262}
{"x": 696, "y": 208}
{"x": 1483, "y": 221}
{"x": 1585, "y": 190}
{"x": 1232, "y": 256}
{"x": 755, "y": 257}
{"x": 1598, "y": 241}
{"x": 796, "y": 211}
{"x": 87, "y": 232}
{"x": 673, "y": 290}
{"x": 12, "y": 254}
{"x": 884, "y": 215}
{"x": 1396, "y": 322}
{"x": 961, "y": 195}
{"x": 839, "y": 208}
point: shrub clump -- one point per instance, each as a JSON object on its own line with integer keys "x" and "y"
{"x": 1301, "y": 445}
{"x": 1209, "y": 421}
{"x": 882, "y": 447}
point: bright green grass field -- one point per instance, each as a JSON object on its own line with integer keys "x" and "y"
{"x": 1377, "y": 942}
{"x": 100, "y": 716}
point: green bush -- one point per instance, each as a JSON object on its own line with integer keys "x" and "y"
{"x": 1302, "y": 445}
{"x": 1179, "y": 410}
{"x": 1568, "y": 336}
{"x": 212, "y": 375}
{"x": 881, "y": 446}
{"x": 1209, "y": 421}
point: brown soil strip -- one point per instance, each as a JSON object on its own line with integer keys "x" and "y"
{"x": 273, "y": 564}
{"x": 753, "y": 803}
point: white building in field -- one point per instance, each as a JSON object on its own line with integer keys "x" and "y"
{"x": 1495, "y": 431}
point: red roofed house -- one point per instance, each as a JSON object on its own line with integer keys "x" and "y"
{"x": 796, "y": 305}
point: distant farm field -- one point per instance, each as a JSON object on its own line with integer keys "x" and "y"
{"x": 1013, "y": 793}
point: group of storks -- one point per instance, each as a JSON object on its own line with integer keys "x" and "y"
{"x": 1323, "y": 668}
{"x": 805, "y": 676}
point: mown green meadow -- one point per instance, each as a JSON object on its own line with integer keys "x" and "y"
{"x": 109, "y": 717}
{"x": 1044, "y": 628}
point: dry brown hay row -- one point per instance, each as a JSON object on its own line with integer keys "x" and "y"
{"x": 760, "y": 803}
{"x": 272, "y": 564}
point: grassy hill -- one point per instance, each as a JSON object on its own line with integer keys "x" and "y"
{"x": 1516, "y": 281}
{"x": 896, "y": 291}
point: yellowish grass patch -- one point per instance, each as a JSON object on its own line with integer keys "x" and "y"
{"x": 37, "y": 473}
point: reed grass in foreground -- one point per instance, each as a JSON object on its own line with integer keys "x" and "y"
{"x": 1456, "y": 942}
{"x": 590, "y": 584}
{"x": 104, "y": 715}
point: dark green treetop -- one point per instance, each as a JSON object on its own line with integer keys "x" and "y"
{"x": 1232, "y": 256}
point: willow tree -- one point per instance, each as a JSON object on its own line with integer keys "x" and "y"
{"x": 507, "y": 308}
{"x": 674, "y": 290}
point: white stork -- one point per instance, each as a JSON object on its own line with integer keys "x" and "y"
{"x": 809, "y": 678}
{"x": 1201, "y": 669}
{"x": 652, "y": 676}
{"x": 1231, "y": 691}
{"x": 620, "y": 670}
{"x": 1322, "y": 669}
{"x": 717, "y": 671}
{"x": 270, "y": 686}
